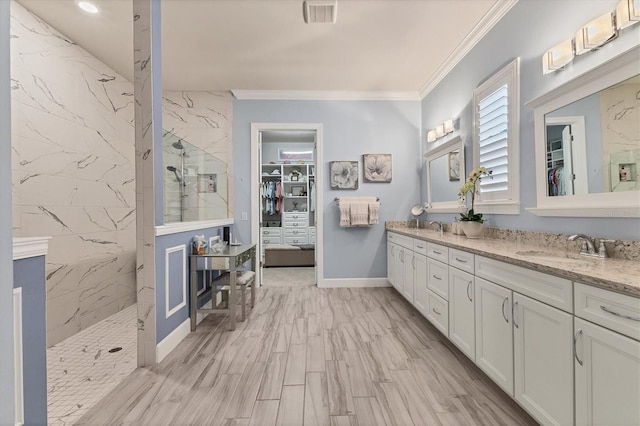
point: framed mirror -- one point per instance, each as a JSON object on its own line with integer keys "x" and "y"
{"x": 587, "y": 136}
{"x": 445, "y": 168}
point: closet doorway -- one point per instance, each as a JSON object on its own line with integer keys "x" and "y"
{"x": 286, "y": 198}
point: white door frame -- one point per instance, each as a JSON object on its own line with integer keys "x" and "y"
{"x": 256, "y": 128}
{"x": 578, "y": 149}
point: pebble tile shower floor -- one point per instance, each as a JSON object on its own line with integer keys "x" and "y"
{"x": 81, "y": 370}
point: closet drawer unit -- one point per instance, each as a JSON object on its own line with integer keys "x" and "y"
{"x": 401, "y": 240}
{"x": 295, "y": 232}
{"x": 420, "y": 246}
{"x": 294, "y": 224}
{"x": 611, "y": 310}
{"x": 461, "y": 259}
{"x": 438, "y": 312}
{"x": 295, "y": 216}
{"x": 275, "y": 239}
{"x": 544, "y": 288}
{"x": 271, "y": 232}
{"x": 312, "y": 239}
{"x": 436, "y": 251}
{"x": 296, "y": 240}
{"x": 438, "y": 279}
{"x": 312, "y": 230}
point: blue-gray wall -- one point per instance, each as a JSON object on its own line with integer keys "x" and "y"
{"x": 350, "y": 129}
{"x": 29, "y": 275}
{"x": 7, "y": 400}
{"x": 528, "y": 30}
{"x": 164, "y": 326}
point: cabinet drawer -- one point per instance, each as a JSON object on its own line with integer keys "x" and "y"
{"x": 438, "y": 312}
{"x": 295, "y": 216}
{"x": 611, "y": 310}
{"x": 296, "y": 240}
{"x": 545, "y": 288}
{"x": 461, "y": 259}
{"x": 295, "y": 224}
{"x": 436, "y": 251}
{"x": 420, "y": 246}
{"x": 438, "y": 279}
{"x": 312, "y": 230}
{"x": 312, "y": 239}
{"x": 292, "y": 232}
{"x": 271, "y": 232}
{"x": 272, "y": 240}
{"x": 401, "y": 240}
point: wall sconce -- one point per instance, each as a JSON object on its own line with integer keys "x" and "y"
{"x": 592, "y": 35}
{"x": 595, "y": 34}
{"x": 627, "y": 13}
{"x": 440, "y": 130}
{"x": 557, "y": 57}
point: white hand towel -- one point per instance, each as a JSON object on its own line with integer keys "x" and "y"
{"x": 374, "y": 213}
{"x": 345, "y": 214}
{"x": 359, "y": 214}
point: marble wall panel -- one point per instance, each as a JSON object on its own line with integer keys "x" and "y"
{"x": 73, "y": 172}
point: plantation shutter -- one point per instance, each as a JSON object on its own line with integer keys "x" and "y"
{"x": 493, "y": 131}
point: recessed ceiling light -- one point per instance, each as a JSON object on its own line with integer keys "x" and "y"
{"x": 88, "y": 7}
{"x": 320, "y": 11}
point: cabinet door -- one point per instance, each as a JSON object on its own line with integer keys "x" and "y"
{"x": 607, "y": 368}
{"x": 409, "y": 274}
{"x": 494, "y": 337}
{"x": 398, "y": 269}
{"x": 392, "y": 253}
{"x": 462, "y": 331}
{"x": 543, "y": 360}
{"x": 420, "y": 298}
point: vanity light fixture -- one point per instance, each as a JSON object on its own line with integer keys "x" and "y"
{"x": 595, "y": 33}
{"x": 627, "y": 13}
{"x": 88, "y": 7}
{"x": 557, "y": 57}
{"x": 440, "y": 130}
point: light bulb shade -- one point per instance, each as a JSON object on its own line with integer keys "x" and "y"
{"x": 627, "y": 13}
{"x": 448, "y": 126}
{"x": 595, "y": 34}
{"x": 557, "y": 57}
{"x": 439, "y": 131}
{"x": 431, "y": 135}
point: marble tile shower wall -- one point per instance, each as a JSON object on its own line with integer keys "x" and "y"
{"x": 73, "y": 173}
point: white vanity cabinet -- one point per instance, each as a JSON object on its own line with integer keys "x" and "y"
{"x": 403, "y": 264}
{"x": 607, "y": 357}
{"x": 536, "y": 336}
{"x": 462, "y": 311}
{"x": 421, "y": 294}
{"x": 494, "y": 335}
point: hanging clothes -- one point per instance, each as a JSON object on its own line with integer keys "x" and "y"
{"x": 312, "y": 195}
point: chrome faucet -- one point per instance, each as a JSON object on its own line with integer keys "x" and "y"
{"x": 588, "y": 247}
{"x": 439, "y": 226}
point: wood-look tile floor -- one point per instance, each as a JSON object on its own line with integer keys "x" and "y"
{"x": 315, "y": 357}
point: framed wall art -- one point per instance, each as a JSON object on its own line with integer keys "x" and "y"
{"x": 377, "y": 168}
{"x": 343, "y": 174}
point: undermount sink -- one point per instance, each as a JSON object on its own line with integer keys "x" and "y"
{"x": 554, "y": 257}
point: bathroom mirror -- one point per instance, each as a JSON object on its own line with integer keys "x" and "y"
{"x": 195, "y": 183}
{"x": 587, "y": 136}
{"x": 444, "y": 169}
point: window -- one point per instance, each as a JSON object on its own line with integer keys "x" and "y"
{"x": 496, "y": 118}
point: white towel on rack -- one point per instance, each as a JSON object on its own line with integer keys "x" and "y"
{"x": 345, "y": 214}
{"x": 354, "y": 211}
{"x": 374, "y": 213}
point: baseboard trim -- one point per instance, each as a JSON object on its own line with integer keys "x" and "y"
{"x": 174, "y": 338}
{"x": 353, "y": 282}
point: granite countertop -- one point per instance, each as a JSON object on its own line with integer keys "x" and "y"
{"x": 619, "y": 275}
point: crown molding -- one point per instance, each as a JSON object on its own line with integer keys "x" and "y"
{"x": 25, "y": 247}
{"x": 495, "y": 14}
{"x": 324, "y": 95}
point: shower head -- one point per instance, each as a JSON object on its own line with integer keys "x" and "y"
{"x": 178, "y": 145}
{"x": 175, "y": 172}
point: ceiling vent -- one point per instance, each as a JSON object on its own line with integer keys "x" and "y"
{"x": 320, "y": 11}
